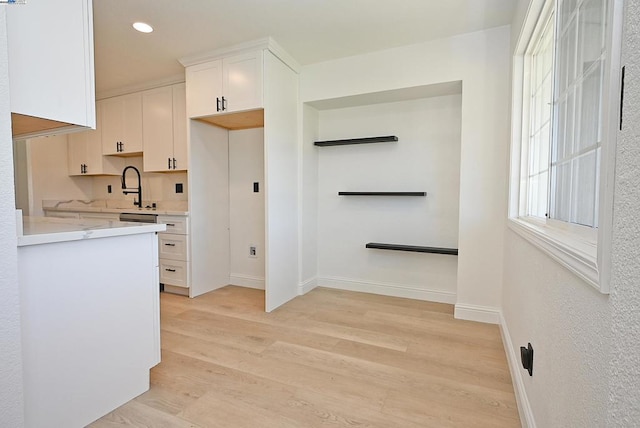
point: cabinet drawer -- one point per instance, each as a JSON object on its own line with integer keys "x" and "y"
{"x": 173, "y": 247}
{"x": 174, "y": 272}
{"x": 175, "y": 224}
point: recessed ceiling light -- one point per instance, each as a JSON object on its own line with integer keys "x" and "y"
{"x": 142, "y": 27}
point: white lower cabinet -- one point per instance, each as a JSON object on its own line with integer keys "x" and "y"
{"x": 174, "y": 272}
{"x": 173, "y": 248}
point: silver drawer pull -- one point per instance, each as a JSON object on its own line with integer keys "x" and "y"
{"x": 170, "y": 245}
{"x": 170, "y": 270}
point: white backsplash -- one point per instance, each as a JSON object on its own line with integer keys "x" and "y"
{"x": 156, "y": 187}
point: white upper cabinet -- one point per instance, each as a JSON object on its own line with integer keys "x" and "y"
{"x": 228, "y": 85}
{"x": 122, "y": 125}
{"x": 51, "y": 68}
{"x": 242, "y": 77}
{"x": 180, "y": 127}
{"x": 164, "y": 129}
{"x": 204, "y": 88}
{"x": 85, "y": 157}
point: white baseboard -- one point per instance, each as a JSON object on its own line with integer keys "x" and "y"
{"x": 247, "y": 281}
{"x": 477, "y": 313}
{"x": 386, "y": 289}
{"x": 524, "y": 407}
{"x": 308, "y": 285}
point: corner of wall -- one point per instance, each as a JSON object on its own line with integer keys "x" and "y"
{"x": 305, "y": 286}
{"x": 476, "y": 313}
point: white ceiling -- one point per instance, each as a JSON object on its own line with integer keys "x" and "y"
{"x": 310, "y": 30}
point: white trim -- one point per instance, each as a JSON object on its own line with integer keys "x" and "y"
{"x": 247, "y": 281}
{"x": 264, "y": 43}
{"x": 388, "y": 289}
{"x": 575, "y": 254}
{"x": 212, "y": 55}
{"x": 524, "y": 407}
{"x": 51, "y": 132}
{"x": 284, "y": 56}
{"x": 308, "y": 285}
{"x": 476, "y": 313}
{"x": 130, "y": 89}
{"x": 611, "y": 117}
{"x": 587, "y": 259}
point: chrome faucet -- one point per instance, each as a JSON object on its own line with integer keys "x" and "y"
{"x": 127, "y": 191}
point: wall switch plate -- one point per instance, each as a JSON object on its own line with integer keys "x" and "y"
{"x": 178, "y": 187}
{"x": 253, "y": 251}
{"x": 256, "y": 187}
{"x": 108, "y": 188}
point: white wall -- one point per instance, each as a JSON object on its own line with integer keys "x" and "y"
{"x": 481, "y": 61}
{"x": 426, "y": 158}
{"x": 568, "y": 323}
{"x": 625, "y": 293}
{"x": 246, "y": 208}
{"x": 156, "y": 186}
{"x": 49, "y": 179}
{"x": 586, "y": 343}
{"x": 49, "y": 176}
{"x": 209, "y": 207}
{"x": 11, "y": 391}
{"x": 308, "y": 197}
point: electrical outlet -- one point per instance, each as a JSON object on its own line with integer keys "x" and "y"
{"x": 178, "y": 187}
{"x": 253, "y": 252}
{"x": 526, "y": 355}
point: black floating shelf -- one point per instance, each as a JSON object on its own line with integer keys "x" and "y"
{"x": 382, "y": 193}
{"x": 413, "y": 248}
{"x": 367, "y": 140}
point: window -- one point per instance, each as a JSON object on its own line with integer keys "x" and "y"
{"x": 566, "y": 72}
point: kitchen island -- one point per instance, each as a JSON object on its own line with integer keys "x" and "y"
{"x": 90, "y": 316}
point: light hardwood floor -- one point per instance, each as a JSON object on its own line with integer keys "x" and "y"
{"x": 329, "y": 358}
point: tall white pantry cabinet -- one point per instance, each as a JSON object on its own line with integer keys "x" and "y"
{"x": 51, "y": 66}
{"x": 251, "y": 86}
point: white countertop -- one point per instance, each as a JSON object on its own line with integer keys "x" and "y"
{"x": 116, "y": 210}
{"x": 114, "y": 207}
{"x": 47, "y": 230}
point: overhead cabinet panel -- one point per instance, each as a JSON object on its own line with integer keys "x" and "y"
{"x": 242, "y": 82}
{"x": 157, "y": 119}
{"x": 85, "y": 156}
{"x": 50, "y": 49}
{"x": 164, "y": 129}
{"x": 227, "y": 85}
{"x": 204, "y": 88}
{"x": 180, "y": 127}
{"x": 122, "y": 125}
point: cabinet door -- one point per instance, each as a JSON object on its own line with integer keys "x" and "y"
{"x": 76, "y": 153}
{"x": 50, "y": 50}
{"x": 180, "y": 127}
{"x": 204, "y": 88}
{"x": 122, "y": 125}
{"x": 93, "y": 150}
{"x": 86, "y": 148}
{"x": 242, "y": 81}
{"x": 157, "y": 120}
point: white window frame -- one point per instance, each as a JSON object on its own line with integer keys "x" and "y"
{"x": 586, "y": 252}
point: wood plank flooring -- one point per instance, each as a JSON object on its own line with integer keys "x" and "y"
{"x": 329, "y": 358}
